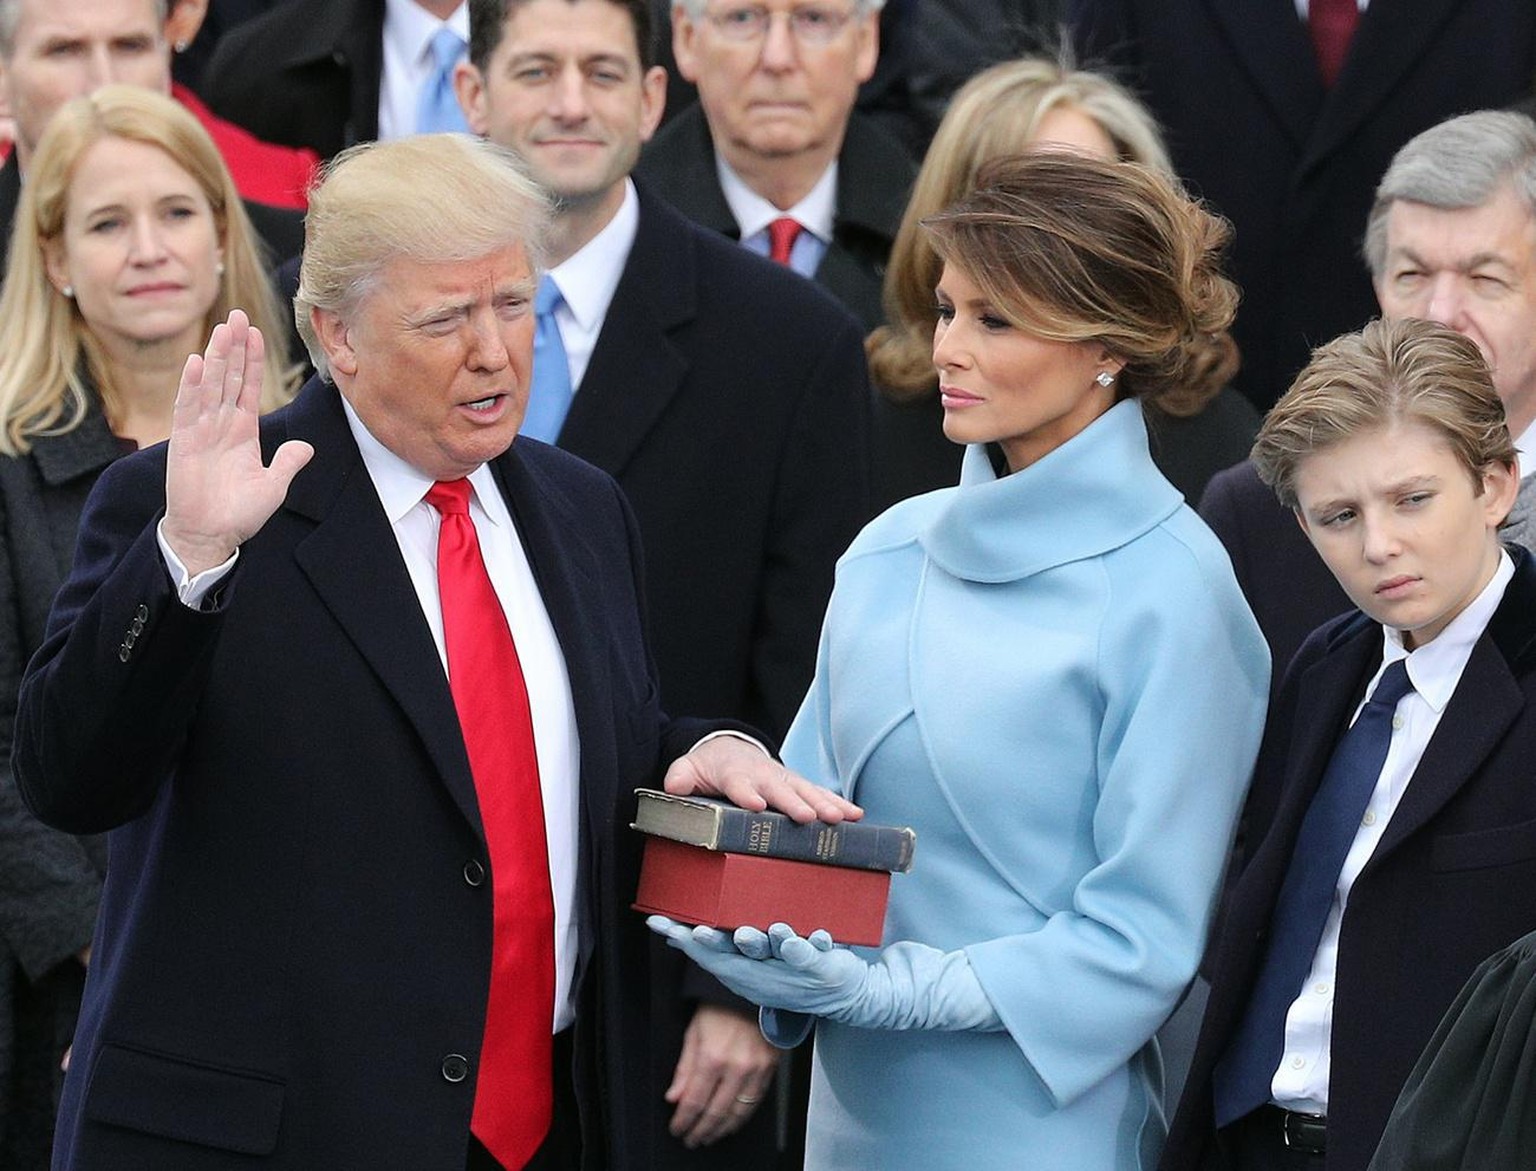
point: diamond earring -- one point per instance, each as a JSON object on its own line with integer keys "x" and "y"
{"x": 1105, "y": 379}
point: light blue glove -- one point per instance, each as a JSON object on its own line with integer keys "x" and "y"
{"x": 910, "y": 986}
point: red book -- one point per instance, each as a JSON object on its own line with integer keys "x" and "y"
{"x": 695, "y": 885}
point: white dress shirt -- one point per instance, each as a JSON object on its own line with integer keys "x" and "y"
{"x": 1301, "y": 1080}
{"x": 1304, "y": 8}
{"x": 815, "y": 213}
{"x": 408, "y": 63}
{"x": 587, "y": 281}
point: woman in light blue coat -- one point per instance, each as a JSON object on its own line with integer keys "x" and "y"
{"x": 1050, "y": 672}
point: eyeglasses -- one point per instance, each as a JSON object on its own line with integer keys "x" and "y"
{"x": 811, "y": 24}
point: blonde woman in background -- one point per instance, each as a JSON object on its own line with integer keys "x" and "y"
{"x": 130, "y": 243}
{"x": 1030, "y": 102}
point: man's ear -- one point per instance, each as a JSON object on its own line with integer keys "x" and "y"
{"x": 469, "y": 88}
{"x": 653, "y": 101}
{"x": 184, "y": 20}
{"x": 684, "y": 50}
{"x": 335, "y": 339}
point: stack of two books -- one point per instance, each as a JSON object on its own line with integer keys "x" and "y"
{"x": 711, "y": 862}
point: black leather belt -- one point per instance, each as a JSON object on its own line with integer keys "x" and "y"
{"x": 1307, "y": 1133}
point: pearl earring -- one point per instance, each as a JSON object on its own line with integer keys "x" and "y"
{"x": 1105, "y": 379}
{"x": 69, "y": 292}
{"x": 183, "y": 45}
{"x": 219, "y": 268}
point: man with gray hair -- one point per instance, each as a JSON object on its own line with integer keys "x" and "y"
{"x": 361, "y": 691}
{"x": 774, "y": 154}
{"x": 1451, "y": 238}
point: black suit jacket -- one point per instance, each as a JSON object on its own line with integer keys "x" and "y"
{"x": 729, "y": 399}
{"x": 1289, "y": 589}
{"x": 288, "y": 949}
{"x": 303, "y": 74}
{"x": 874, "y": 177}
{"x": 1452, "y": 880}
{"x": 1293, "y": 165}
{"x": 49, "y": 881}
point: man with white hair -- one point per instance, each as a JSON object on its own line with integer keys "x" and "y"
{"x": 774, "y": 154}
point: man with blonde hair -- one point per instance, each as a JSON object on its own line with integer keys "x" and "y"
{"x": 363, "y": 724}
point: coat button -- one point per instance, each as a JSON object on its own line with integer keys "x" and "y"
{"x": 455, "y": 1067}
{"x": 122, "y": 653}
{"x": 143, "y": 613}
{"x": 474, "y": 873}
{"x": 136, "y": 626}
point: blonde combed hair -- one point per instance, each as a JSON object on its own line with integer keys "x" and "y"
{"x": 430, "y": 198}
{"x": 49, "y": 359}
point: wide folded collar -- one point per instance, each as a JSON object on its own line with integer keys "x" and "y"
{"x": 1092, "y": 494}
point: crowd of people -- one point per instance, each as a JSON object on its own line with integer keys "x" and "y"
{"x": 1113, "y": 470}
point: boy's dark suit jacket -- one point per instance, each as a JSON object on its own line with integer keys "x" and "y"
{"x": 1452, "y": 881}
{"x": 290, "y": 948}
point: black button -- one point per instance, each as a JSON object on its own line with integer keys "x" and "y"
{"x": 136, "y": 626}
{"x": 143, "y": 613}
{"x": 474, "y": 873}
{"x": 455, "y": 1067}
{"x": 129, "y": 639}
{"x": 122, "y": 653}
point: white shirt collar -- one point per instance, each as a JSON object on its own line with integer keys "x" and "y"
{"x": 402, "y": 487}
{"x": 753, "y": 213}
{"x": 1435, "y": 668}
{"x": 589, "y": 277}
{"x": 1525, "y": 444}
{"x": 410, "y": 28}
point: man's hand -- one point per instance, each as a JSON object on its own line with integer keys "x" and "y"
{"x": 723, "y": 1074}
{"x": 217, "y": 493}
{"x": 733, "y": 768}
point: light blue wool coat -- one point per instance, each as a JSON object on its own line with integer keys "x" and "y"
{"x": 1054, "y": 678}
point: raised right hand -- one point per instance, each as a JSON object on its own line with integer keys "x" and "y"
{"x": 217, "y": 491}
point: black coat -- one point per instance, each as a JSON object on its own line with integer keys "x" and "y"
{"x": 49, "y": 881}
{"x": 303, "y": 74}
{"x": 1289, "y": 589}
{"x": 287, "y": 938}
{"x": 1294, "y": 165}
{"x": 874, "y": 177}
{"x": 1452, "y": 879}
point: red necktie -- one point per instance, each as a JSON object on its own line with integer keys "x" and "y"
{"x": 514, "y": 1093}
{"x": 782, "y": 234}
{"x": 1332, "y": 24}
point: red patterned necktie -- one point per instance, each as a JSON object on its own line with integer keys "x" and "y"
{"x": 1332, "y": 25}
{"x": 514, "y": 1093}
{"x": 782, "y": 234}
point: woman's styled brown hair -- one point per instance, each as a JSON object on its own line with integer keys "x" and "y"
{"x": 1076, "y": 249}
{"x": 998, "y": 113}
{"x": 1390, "y": 372}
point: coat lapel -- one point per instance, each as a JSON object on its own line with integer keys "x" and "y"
{"x": 1487, "y": 701}
{"x": 636, "y": 369}
{"x": 1270, "y": 42}
{"x": 351, "y": 559}
{"x": 1389, "y": 40}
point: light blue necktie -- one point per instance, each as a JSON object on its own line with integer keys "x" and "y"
{"x": 437, "y": 108}
{"x": 549, "y": 398}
